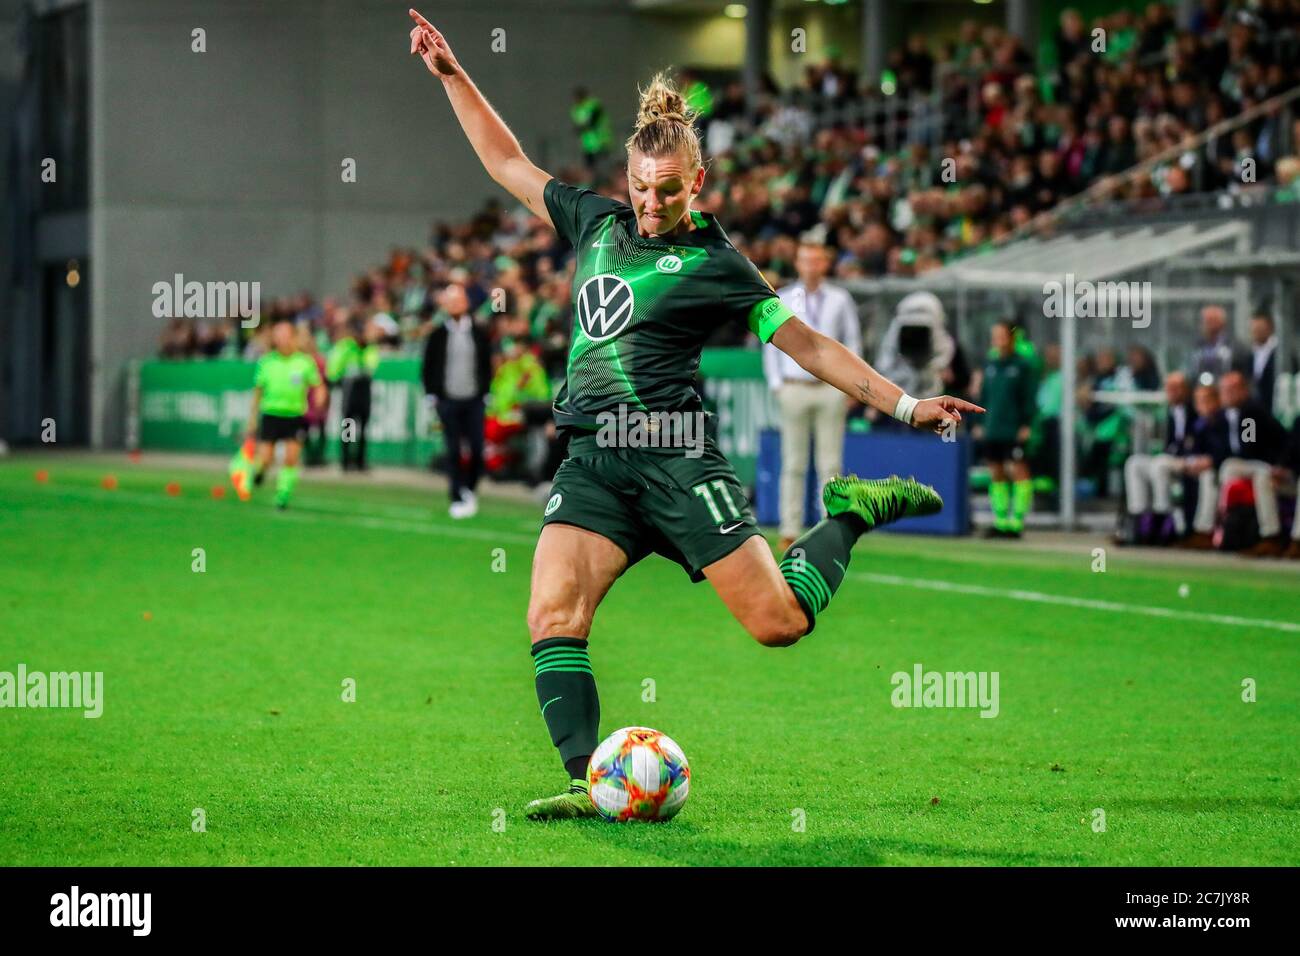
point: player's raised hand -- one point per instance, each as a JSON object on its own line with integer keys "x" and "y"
{"x": 431, "y": 46}
{"x": 937, "y": 414}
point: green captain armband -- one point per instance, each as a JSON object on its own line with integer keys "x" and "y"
{"x": 768, "y": 316}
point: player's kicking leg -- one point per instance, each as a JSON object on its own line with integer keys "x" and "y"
{"x": 778, "y": 604}
{"x": 572, "y": 571}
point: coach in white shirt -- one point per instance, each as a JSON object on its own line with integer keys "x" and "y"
{"x": 810, "y": 408}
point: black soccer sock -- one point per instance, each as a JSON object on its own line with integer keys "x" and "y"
{"x": 816, "y": 563}
{"x": 566, "y": 692}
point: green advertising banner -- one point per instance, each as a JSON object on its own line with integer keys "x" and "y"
{"x": 202, "y": 406}
{"x": 736, "y": 392}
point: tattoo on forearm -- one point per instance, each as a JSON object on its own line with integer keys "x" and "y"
{"x": 864, "y": 391}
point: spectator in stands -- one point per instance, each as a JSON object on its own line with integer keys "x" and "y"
{"x": 1143, "y": 376}
{"x": 1263, "y": 360}
{"x": 1107, "y": 375}
{"x": 1119, "y": 153}
{"x": 178, "y": 340}
{"x": 810, "y": 409}
{"x": 210, "y": 338}
{"x": 1072, "y": 42}
{"x": 1148, "y": 479}
{"x": 457, "y": 373}
{"x": 259, "y": 343}
{"x": 592, "y": 126}
{"x": 1217, "y": 353}
{"x": 1007, "y": 393}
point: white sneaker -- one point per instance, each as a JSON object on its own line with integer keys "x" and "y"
{"x": 457, "y": 510}
{"x": 470, "y": 499}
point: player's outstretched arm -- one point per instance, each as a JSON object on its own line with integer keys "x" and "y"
{"x": 492, "y": 140}
{"x": 831, "y": 362}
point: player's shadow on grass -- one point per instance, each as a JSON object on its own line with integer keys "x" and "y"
{"x": 685, "y": 845}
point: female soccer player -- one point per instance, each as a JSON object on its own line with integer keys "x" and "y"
{"x": 284, "y": 381}
{"x": 654, "y": 279}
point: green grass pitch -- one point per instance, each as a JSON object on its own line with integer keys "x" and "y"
{"x": 223, "y": 691}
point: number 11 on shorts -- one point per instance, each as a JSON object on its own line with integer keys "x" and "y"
{"x": 702, "y": 489}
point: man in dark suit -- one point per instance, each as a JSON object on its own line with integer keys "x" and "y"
{"x": 1256, "y": 441}
{"x": 1263, "y": 359}
{"x": 457, "y": 372}
{"x": 1283, "y": 476}
{"x": 1217, "y": 353}
{"x": 1209, "y": 450}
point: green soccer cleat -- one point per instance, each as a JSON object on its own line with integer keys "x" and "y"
{"x": 880, "y": 501}
{"x": 575, "y": 803}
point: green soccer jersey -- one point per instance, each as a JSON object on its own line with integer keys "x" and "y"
{"x": 1008, "y": 395}
{"x": 643, "y": 308}
{"x": 284, "y": 381}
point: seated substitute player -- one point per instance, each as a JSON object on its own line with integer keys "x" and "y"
{"x": 1009, "y": 392}
{"x": 281, "y": 385}
{"x": 653, "y": 280}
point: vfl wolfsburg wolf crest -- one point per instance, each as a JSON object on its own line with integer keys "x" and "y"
{"x": 604, "y": 306}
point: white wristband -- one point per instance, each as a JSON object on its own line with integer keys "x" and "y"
{"x": 903, "y": 410}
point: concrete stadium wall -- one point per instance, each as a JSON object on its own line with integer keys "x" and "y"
{"x": 225, "y": 165}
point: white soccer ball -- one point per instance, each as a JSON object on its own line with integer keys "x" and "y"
{"x": 638, "y": 773}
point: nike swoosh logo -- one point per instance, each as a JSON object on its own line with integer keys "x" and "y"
{"x": 602, "y": 245}
{"x": 549, "y": 703}
{"x": 843, "y": 569}
{"x": 728, "y": 528}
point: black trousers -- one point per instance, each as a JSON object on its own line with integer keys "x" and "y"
{"x": 462, "y": 424}
{"x": 356, "y": 406}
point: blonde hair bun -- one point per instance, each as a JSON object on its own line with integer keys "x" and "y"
{"x": 662, "y": 101}
{"x": 665, "y": 123}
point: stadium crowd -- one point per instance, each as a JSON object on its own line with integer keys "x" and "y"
{"x": 989, "y": 139}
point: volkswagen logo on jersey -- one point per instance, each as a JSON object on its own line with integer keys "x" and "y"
{"x": 604, "y": 307}
{"x": 669, "y": 264}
